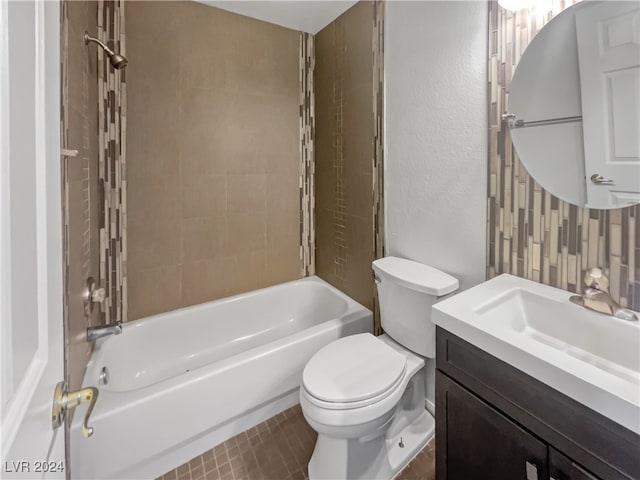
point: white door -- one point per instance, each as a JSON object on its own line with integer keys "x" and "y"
{"x": 31, "y": 292}
{"x": 609, "y": 57}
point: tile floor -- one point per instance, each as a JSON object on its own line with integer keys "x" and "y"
{"x": 278, "y": 449}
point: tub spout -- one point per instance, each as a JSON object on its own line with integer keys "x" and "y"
{"x": 94, "y": 333}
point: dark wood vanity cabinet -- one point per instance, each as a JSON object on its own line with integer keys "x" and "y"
{"x": 562, "y": 467}
{"x": 494, "y": 422}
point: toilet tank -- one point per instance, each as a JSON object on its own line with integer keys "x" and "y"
{"x": 406, "y": 292}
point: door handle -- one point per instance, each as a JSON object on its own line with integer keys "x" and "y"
{"x": 598, "y": 179}
{"x": 63, "y": 400}
{"x": 532, "y": 471}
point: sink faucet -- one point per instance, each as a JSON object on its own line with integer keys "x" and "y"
{"x": 596, "y": 296}
{"x": 94, "y": 333}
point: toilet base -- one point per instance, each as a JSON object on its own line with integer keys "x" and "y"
{"x": 415, "y": 437}
{"x": 380, "y": 458}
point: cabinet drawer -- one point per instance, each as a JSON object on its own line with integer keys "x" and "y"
{"x": 601, "y": 445}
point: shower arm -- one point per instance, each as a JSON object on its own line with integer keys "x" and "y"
{"x": 88, "y": 38}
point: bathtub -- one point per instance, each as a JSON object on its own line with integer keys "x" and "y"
{"x": 184, "y": 381}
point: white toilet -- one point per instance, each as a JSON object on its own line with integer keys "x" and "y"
{"x": 365, "y": 395}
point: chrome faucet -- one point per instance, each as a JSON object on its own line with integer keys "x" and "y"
{"x": 596, "y": 297}
{"x": 94, "y": 333}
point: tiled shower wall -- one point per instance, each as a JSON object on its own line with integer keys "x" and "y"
{"x": 81, "y": 198}
{"x": 213, "y": 155}
{"x": 530, "y": 232}
{"x": 348, "y": 153}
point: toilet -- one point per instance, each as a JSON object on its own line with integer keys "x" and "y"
{"x": 365, "y": 395}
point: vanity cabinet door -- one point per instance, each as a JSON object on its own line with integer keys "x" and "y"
{"x": 480, "y": 443}
{"x": 563, "y": 468}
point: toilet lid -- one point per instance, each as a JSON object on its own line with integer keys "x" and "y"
{"x": 352, "y": 369}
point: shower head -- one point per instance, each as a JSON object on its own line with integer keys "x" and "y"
{"x": 116, "y": 60}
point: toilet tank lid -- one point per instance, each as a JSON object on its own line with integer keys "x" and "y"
{"x": 416, "y": 276}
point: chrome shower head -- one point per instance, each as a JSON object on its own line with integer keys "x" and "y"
{"x": 116, "y": 60}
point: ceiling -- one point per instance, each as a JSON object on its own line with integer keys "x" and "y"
{"x": 307, "y": 15}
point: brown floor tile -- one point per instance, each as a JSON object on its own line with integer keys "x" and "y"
{"x": 278, "y": 449}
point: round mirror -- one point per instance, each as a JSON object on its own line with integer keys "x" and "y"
{"x": 574, "y": 105}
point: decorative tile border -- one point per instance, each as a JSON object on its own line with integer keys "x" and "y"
{"x": 531, "y": 233}
{"x": 307, "y": 114}
{"x": 112, "y": 162}
{"x": 378, "y": 146}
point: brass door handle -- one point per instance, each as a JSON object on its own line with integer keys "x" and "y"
{"x": 600, "y": 180}
{"x": 63, "y": 400}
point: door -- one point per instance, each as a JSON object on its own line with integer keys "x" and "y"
{"x": 479, "y": 442}
{"x": 563, "y": 468}
{"x": 31, "y": 290}
{"x": 609, "y": 58}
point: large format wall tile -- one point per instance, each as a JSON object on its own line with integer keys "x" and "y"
{"x": 81, "y": 200}
{"x": 348, "y": 150}
{"x": 213, "y": 150}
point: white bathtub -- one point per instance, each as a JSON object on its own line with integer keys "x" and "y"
{"x": 184, "y": 381}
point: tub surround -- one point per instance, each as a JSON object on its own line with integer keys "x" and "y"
{"x": 216, "y": 378}
{"x": 344, "y": 150}
{"x": 81, "y": 207}
{"x": 531, "y": 233}
{"x": 213, "y": 153}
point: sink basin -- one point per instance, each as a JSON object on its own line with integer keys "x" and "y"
{"x": 590, "y": 357}
{"x": 589, "y": 336}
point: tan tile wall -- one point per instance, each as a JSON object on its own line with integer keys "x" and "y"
{"x": 344, "y": 151}
{"x": 213, "y": 155}
{"x": 531, "y": 233}
{"x": 81, "y": 199}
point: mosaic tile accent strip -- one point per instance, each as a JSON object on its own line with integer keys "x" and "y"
{"x": 278, "y": 449}
{"x": 307, "y": 165}
{"x": 531, "y": 233}
{"x": 378, "y": 146}
{"x": 112, "y": 166}
{"x": 339, "y": 200}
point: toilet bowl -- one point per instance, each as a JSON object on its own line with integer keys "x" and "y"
{"x": 365, "y": 395}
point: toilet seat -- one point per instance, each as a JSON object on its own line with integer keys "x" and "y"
{"x": 353, "y": 372}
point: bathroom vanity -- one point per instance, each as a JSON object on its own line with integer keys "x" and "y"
{"x": 493, "y": 421}
{"x": 515, "y": 399}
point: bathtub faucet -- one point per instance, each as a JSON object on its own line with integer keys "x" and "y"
{"x": 94, "y": 333}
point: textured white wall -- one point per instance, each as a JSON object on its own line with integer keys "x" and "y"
{"x": 436, "y": 134}
{"x": 436, "y": 138}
